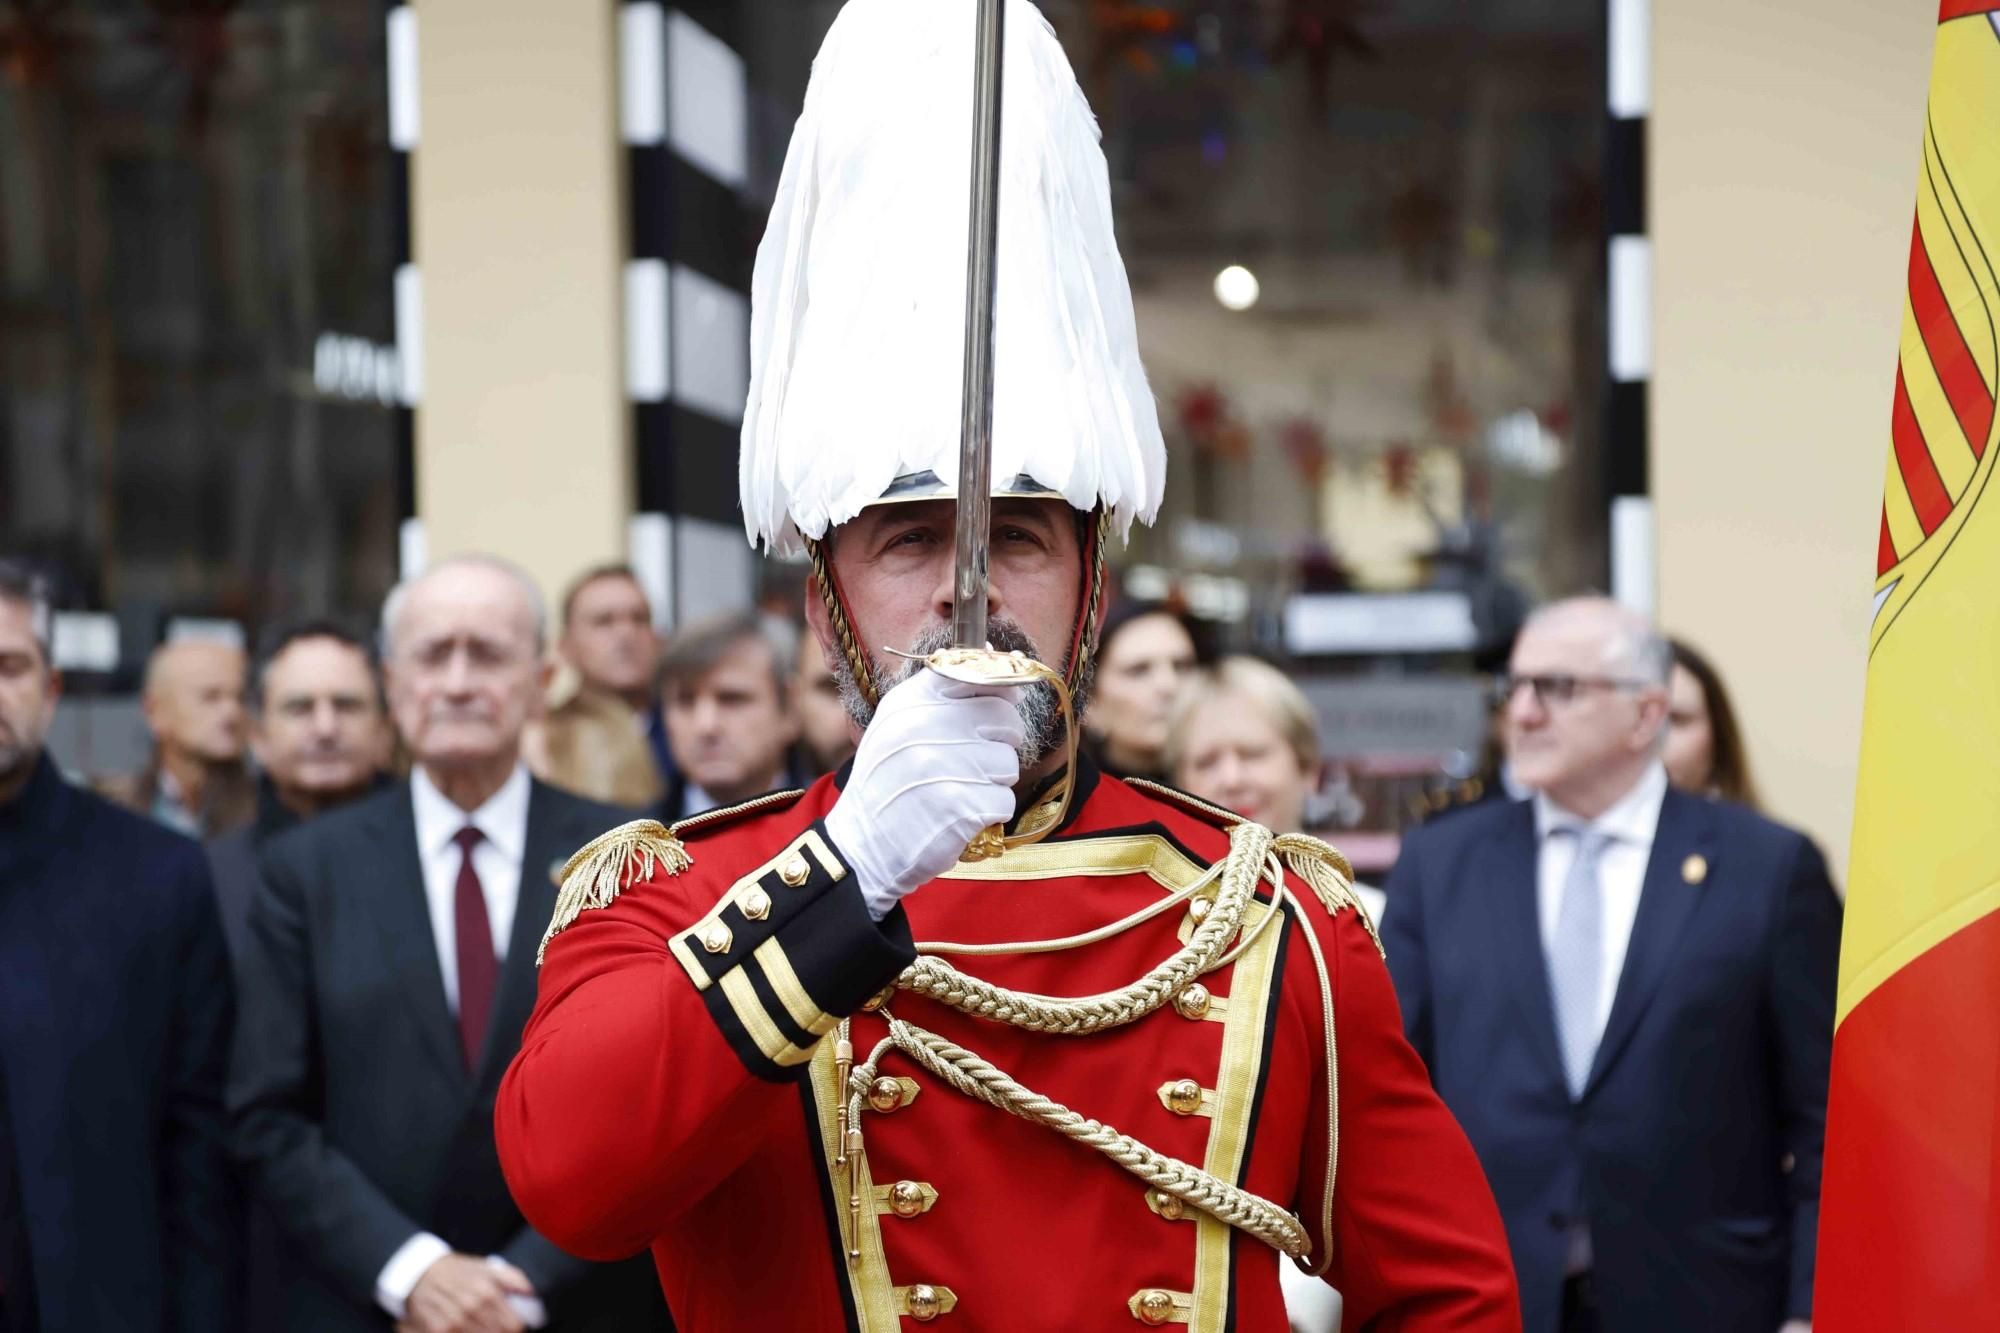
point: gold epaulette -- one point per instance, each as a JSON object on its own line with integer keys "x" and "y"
{"x": 609, "y": 864}
{"x": 1328, "y": 874}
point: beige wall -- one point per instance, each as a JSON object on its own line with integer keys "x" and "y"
{"x": 522, "y": 435}
{"x": 1784, "y": 147}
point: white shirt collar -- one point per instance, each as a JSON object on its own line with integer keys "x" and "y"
{"x": 502, "y": 820}
{"x": 1632, "y": 819}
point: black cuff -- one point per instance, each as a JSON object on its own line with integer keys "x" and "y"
{"x": 788, "y": 952}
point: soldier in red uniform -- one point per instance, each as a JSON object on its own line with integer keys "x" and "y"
{"x": 837, "y": 1077}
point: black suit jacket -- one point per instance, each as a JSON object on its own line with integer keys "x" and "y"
{"x": 352, "y": 1107}
{"x": 114, "y": 1030}
{"x": 1694, "y": 1151}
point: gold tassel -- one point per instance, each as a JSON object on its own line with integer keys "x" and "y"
{"x": 609, "y": 864}
{"x": 1327, "y": 873}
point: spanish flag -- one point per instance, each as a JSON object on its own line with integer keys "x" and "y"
{"x": 1910, "y": 1204}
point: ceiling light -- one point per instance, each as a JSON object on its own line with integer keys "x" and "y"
{"x": 1236, "y": 287}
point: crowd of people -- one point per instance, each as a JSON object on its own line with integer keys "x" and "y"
{"x": 297, "y": 1037}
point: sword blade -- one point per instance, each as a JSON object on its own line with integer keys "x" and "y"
{"x": 975, "y": 438}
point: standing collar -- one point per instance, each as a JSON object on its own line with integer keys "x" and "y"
{"x": 502, "y": 820}
{"x": 1633, "y": 818}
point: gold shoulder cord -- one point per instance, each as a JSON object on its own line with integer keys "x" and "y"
{"x": 1255, "y": 856}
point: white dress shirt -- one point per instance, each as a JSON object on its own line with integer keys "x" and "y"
{"x": 496, "y": 858}
{"x": 1621, "y": 870}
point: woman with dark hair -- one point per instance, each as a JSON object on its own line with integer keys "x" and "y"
{"x": 1144, "y": 654}
{"x": 1704, "y": 751}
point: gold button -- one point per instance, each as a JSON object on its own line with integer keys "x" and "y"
{"x": 1155, "y": 1306}
{"x": 1170, "y": 1207}
{"x": 878, "y": 999}
{"x": 1192, "y": 1002}
{"x": 885, "y": 1094}
{"x": 923, "y": 1303}
{"x": 906, "y": 1198}
{"x": 1184, "y": 1097}
{"x": 1198, "y": 909}
{"x": 756, "y": 904}
{"x": 793, "y": 870}
{"x": 715, "y": 937}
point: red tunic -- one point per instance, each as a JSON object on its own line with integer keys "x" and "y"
{"x": 674, "y": 1090}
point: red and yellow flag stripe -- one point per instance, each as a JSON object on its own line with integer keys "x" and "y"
{"x": 1910, "y": 1202}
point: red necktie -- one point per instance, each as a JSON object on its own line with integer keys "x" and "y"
{"x": 478, "y": 969}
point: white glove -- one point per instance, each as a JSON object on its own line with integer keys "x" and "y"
{"x": 937, "y": 765}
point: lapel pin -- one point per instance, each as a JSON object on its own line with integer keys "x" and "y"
{"x": 1695, "y": 869}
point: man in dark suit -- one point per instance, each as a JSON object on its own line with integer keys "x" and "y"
{"x": 320, "y": 731}
{"x": 1625, "y": 993}
{"x": 389, "y": 969}
{"x": 117, "y": 1209}
{"x": 321, "y": 735}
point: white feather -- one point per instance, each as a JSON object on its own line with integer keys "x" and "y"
{"x": 857, "y": 303}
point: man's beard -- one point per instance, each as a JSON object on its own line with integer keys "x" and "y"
{"x": 1038, "y": 704}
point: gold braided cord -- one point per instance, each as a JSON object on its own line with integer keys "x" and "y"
{"x": 836, "y": 614}
{"x": 1249, "y": 844}
{"x": 979, "y": 1079}
{"x": 1255, "y": 855}
{"x": 1086, "y": 642}
{"x": 1078, "y": 941}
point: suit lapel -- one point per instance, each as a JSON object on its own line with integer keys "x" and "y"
{"x": 402, "y": 911}
{"x": 548, "y": 844}
{"x": 1515, "y": 927}
{"x": 1666, "y": 901}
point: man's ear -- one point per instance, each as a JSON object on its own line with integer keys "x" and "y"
{"x": 817, "y": 620}
{"x": 545, "y": 672}
{"x": 1652, "y": 717}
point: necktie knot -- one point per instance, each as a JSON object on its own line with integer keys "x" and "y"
{"x": 467, "y": 838}
{"x": 1591, "y": 841}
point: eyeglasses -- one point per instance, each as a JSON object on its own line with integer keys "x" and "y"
{"x": 1558, "y": 690}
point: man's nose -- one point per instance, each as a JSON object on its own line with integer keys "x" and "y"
{"x": 943, "y": 595}
{"x": 458, "y": 674}
{"x": 1524, "y": 706}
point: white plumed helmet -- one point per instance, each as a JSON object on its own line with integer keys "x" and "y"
{"x": 857, "y": 306}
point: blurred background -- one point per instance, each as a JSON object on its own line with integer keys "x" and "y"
{"x": 1449, "y": 308}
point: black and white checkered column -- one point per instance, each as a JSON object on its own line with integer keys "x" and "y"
{"x": 684, "y": 115}
{"x": 1629, "y": 291}
{"x": 409, "y": 300}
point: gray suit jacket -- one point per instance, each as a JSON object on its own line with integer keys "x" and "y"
{"x": 352, "y": 1109}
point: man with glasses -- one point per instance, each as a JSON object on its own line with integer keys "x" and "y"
{"x": 1625, "y": 993}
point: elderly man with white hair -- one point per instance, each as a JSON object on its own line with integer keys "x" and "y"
{"x": 1625, "y": 993}
{"x": 389, "y": 969}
